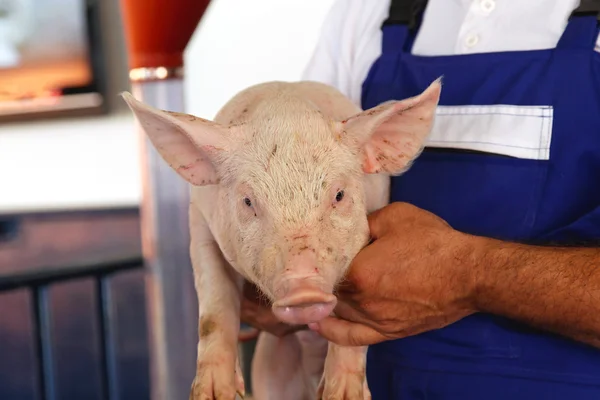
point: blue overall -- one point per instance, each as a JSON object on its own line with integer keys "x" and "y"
{"x": 531, "y": 201}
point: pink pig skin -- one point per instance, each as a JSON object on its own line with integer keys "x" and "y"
{"x": 282, "y": 181}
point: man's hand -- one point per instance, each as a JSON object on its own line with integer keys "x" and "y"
{"x": 415, "y": 276}
{"x": 255, "y": 311}
{"x": 420, "y": 274}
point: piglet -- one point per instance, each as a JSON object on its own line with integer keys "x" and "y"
{"x": 281, "y": 184}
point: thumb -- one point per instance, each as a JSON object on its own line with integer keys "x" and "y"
{"x": 345, "y": 333}
{"x": 382, "y": 220}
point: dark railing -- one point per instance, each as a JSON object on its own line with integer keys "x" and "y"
{"x": 120, "y": 369}
{"x": 72, "y": 329}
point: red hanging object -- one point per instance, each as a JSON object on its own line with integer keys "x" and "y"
{"x": 157, "y": 31}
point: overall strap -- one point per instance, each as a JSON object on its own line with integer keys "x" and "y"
{"x": 405, "y": 12}
{"x": 582, "y": 29}
{"x": 403, "y": 21}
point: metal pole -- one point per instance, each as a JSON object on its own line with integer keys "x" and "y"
{"x": 157, "y": 33}
{"x": 172, "y": 304}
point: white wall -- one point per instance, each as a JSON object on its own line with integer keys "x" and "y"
{"x": 240, "y": 43}
{"x": 93, "y": 162}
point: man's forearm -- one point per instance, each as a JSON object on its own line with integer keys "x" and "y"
{"x": 552, "y": 288}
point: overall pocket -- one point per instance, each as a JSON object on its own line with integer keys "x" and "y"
{"x": 483, "y": 169}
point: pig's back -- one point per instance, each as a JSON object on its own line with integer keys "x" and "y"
{"x": 327, "y": 99}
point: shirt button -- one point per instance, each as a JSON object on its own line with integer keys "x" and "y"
{"x": 487, "y": 6}
{"x": 472, "y": 40}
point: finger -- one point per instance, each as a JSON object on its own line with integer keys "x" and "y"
{"x": 274, "y": 328}
{"x": 247, "y": 334}
{"x": 282, "y": 330}
{"x": 382, "y": 221}
{"x": 263, "y": 319}
{"x": 385, "y": 219}
{"x": 346, "y": 333}
{"x": 354, "y": 314}
{"x": 251, "y": 293}
{"x": 346, "y": 311}
{"x": 365, "y": 269}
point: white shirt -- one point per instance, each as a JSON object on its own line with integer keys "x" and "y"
{"x": 351, "y": 34}
{"x": 351, "y": 41}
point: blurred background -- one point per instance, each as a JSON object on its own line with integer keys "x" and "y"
{"x": 84, "y": 307}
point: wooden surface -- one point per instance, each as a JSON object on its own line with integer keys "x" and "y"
{"x": 63, "y": 239}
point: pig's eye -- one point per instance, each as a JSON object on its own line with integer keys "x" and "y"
{"x": 247, "y": 202}
{"x": 339, "y": 196}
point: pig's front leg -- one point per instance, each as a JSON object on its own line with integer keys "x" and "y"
{"x": 218, "y": 375}
{"x": 344, "y": 376}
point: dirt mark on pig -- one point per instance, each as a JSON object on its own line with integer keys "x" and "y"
{"x": 271, "y": 155}
{"x": 207, "y": 326}
{"x": 188, "y": 117}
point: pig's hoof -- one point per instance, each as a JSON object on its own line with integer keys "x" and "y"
{"x": 344, "y": 385}
{"x": 213, "y": 382}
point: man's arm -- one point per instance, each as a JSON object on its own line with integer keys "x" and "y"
{"x": 419, "y": 274}
{"x": 552, "y": 288}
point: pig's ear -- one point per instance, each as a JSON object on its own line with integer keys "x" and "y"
{"x": 191, "y": 146}
{"x": 393, "y": 134}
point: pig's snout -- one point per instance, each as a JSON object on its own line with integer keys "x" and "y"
{"x": 304, "y": 303}
{"x": 302, "y": 294}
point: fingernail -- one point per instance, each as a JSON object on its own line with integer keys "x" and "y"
{"x": 313, "y": 326}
